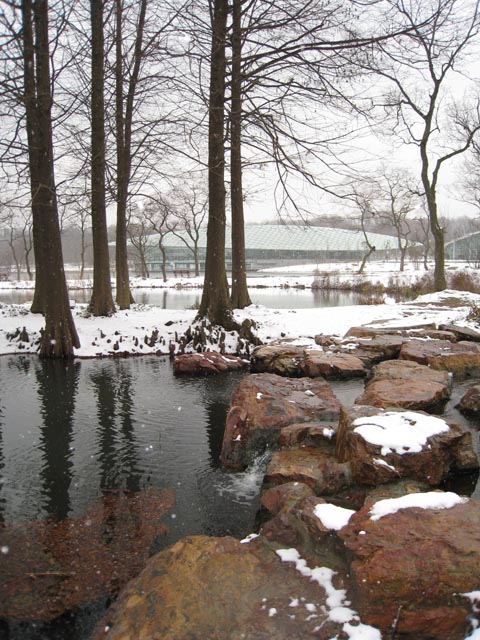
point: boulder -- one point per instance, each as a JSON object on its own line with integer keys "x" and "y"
{"x": 331, "y": 365}
{"x": 373, "y": 350}
{"x": 262, "y": 404}
{"x": 207, "y": 362}
{"x": 461, "y": 333}
{"x": 406, "y": 384}
{"x": 296, "y": 361}
{"x": 310, "y": 466}
{"x": 309, "y": 433}
{"x": 411, "y": 567}
{"x": 382, "y": 446}
{"x": 278, "y": 497}
{"x": 470, "y": 402}
{"x": 460, "y": 358}
{"x": 282, "y": 359}
{"x": 373, "y": 332}
{"x": 205, "y": 588}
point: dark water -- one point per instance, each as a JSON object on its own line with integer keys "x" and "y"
{"x": 186, "y": 299}
{"x": 72, "y": 432}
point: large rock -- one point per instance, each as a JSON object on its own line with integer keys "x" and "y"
{"x": 406, "y": 384}
{"x": 264, "y": 403}
{"x": 383, "y": 446}
{"x": 373, "y": 350}
{"x": 470, "y": 402}
{"x": 410, "y": 568}
{"x": 208, "y": 362}
{"x": 460, "y": 358}
{"x": 310, "y": 466}
{"x": 217, "y": 588}
{"x": 461, "y": 333}
{"x": 296, "y": 361}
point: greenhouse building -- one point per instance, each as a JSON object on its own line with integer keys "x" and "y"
{"x": 272, "y": 246}
{"x": 464, "y": 248}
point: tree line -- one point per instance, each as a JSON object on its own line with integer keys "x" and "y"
{"x": 117, "y": 103}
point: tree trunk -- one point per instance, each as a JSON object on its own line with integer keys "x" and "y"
{"x": 240, "y": 296}
{"x": 215, "y": 304}
{"x": 365, "y": 259}
{"x": 101, "y": 303}
{"x": 123, "y": 296}
{"x": 59, "y": 336}
{"x": 38, "y": 303}
{"x": 164, "y": 262}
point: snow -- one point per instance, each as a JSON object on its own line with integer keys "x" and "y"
{"x": 337, "y": 604}
{"x": 333, "y": 517}
{"x": 429, "y": 500}
{"x": 130, "y": 331}
{"x": 400, "y": 432}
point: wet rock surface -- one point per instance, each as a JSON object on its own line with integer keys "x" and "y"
{"x": 406, "y": 384}
{"x": 263, "y": 404}
{"x": 470, "y": 402}
{"x": 217, "y": 588}
{"x": 412, "y": 581}
{"x": 462, "y": 358}
{"x": 382, "y": 446}
{"x": 207, "y": 363}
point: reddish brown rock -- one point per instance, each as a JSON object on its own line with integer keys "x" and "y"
{"x": 373, "y": 350}
{"x": 208, "y": 362}
{"x": 309, "y": 433}
{"x": 373, "y": 332}
{"x": 440, "y": 455}
{"x": 276, "y": 498}
{"x": 330, "y": 365}
{"x": 262, "y": 404}
{"x": 282, "y": 359}
{"x": 310, "y": 466}
{"x": 217, "y": 588}
{"x": 461, "y": 333}
{"x": 52, "y": 567}
{"x": 406, "y": 384}
{"x": 460, "y": 358}
{"x": 470, "y": 403}
{"x": 412, "y": 566}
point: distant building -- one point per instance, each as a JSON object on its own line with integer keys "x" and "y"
{"x": 464, "y": 248}
{"x": 273, "y": 246}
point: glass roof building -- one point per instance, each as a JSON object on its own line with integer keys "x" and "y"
{"x": 273, "y": 246}
{"x": 464, "y": 248}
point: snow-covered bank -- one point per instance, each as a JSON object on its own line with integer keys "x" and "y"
{"x": 147, "y": 330}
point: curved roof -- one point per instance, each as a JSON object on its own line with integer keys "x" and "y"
{"x": 292, "y": 238}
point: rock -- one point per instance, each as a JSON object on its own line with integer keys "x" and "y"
{"x": 461, "y": 333}
{"x": 410, "y": 568}
{"x": 264, "y": 403}
{"x": 282, "y": 359}
{"x": 373, "y": 350}
{"x": 461, "y": 358}
{"x": 470, "y": 402}
{"x": 52, "y": 567}
{"x": 295, "y": 361}
{"x": 406, "y": 384}
{"x": 312, "y": 467}
{"x": 309, "y": 433}
{"x": 205, "y": 588}
{"x": 207, "y": 362}
{"x": 383, "y": 446}
{"x": 373, "y": 332}
{"x": 276, "y": 498}
{"x": 330, "y": 365}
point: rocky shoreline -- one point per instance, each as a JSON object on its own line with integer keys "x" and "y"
{"x": 356, "y": 538}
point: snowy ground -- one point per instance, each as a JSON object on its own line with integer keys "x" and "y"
{"x": 147, "y": 329}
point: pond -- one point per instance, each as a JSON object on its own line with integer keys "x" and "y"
{"x": 188, "y": 298}
{"x": 74, "y": 433}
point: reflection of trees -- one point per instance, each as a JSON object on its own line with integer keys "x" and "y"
{"x": 2, "y": 465}
{"x": 57, "y": 387}
{"x": 117, "y": 452}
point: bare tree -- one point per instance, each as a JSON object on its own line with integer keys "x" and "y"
{"x": 158, "y": 213}
{"x": 59, "y": 337}
{"x": 418, "y": 65}
{"x": 190, "y": 211}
